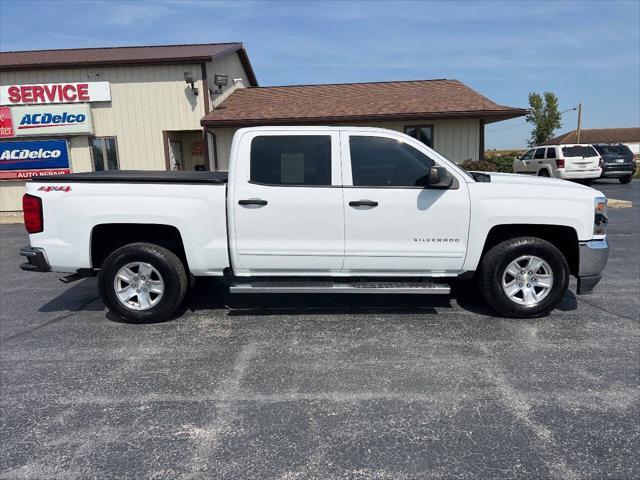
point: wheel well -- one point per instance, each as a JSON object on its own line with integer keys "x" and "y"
{"x": 107, "y": 238}
{"x": 562, "y": 237}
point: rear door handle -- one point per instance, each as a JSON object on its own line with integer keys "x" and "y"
{"x": 363, "y": 203}
{"x": 252, "y": 201}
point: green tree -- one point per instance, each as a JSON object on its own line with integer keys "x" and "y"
{"x": 544, "y": 116}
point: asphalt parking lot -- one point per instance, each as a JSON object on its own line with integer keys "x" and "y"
{"x": 322, "y": 387}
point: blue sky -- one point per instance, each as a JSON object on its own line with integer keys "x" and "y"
{"x": 585, "y": 51}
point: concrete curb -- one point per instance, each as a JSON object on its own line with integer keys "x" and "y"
{"x": 613, "y": 203}
{"x": 11, "y": 218}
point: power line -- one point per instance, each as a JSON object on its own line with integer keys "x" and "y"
{"x": 524, "y": 123}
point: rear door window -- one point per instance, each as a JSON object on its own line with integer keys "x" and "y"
{"x": 612, "y": 150}
{"x": 579, "y": 151}
{"x": 291, "y": 160}
{"x": 551, "y": 152}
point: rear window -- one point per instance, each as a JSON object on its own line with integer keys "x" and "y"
{"x": 613, "y": 149}
{"x": 579, "y": 151}
{"x": 291, "y": 160}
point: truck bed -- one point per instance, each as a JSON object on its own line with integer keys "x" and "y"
{"x": 137, "y": 176}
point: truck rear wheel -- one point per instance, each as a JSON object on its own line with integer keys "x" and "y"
{"x": 524, "y": 277}
{"x": 141, "y": 282}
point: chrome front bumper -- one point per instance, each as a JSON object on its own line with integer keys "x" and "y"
{"x": 593, "y": 258}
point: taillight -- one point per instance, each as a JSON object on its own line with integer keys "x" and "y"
{"x": 32, "y": 208}
{"x": 560, "y": 162}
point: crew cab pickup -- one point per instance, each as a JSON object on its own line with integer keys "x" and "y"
{"x": 319, "y": 210}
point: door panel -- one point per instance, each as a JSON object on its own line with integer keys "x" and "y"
{"x": 410, "y": 230}
{"x": 395, "y": 230}
{"x": 524, "y": 164}
{"x": 287, "y": 228}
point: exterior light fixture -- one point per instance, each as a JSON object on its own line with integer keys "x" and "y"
{"x": 188, "y": 77}
{"x": 220, "y": 81}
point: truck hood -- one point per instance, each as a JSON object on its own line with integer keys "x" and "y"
{"x": 514, "y": 179}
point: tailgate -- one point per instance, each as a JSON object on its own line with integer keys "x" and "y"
{"x": 580, "y": 157}
{"x": 581, "y": 163}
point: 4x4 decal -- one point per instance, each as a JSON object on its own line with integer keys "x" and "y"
{"x": 55, "y": 189}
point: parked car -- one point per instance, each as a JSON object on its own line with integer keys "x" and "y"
{"x": 568, "y": 162}
{"x": 318, "y": 210}
{"x": 617, "y": 162}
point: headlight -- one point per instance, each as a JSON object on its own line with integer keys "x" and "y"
{"x": 600, "y": 216}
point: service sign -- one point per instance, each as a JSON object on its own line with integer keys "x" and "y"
{"x": 52, "y": 120}
{"x": 25, "y": 159}
{"x": 6, "y": 123}
{"x": 55, "y": 93}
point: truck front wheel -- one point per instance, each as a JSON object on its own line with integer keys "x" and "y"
{"x": 524, "y": 277}
{"x": 141, "y": 282}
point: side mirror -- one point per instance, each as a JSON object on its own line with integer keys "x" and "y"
{"x": 439, "y": 177}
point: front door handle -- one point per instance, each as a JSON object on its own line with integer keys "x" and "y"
{"x": 363, "y": 203}
{"x": 252, "y": 201}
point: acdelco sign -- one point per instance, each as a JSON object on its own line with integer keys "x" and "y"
{"x": 52, "y": 120}
{"x": 27, "y": 154}
{"x": 23, "y": 159}
{"x": 55, "y": 93}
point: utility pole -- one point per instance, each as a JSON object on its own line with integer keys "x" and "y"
{"x": 579, "y": 123}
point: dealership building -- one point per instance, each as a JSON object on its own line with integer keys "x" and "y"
{"x": 177, "y": 107}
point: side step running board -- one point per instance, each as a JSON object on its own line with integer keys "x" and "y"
{"x": 306, "y": 286}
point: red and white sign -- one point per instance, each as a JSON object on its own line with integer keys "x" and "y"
{"x": 55, "y": 93}
{"x": 26, "y": 174}
{"x": 6, "y": 125}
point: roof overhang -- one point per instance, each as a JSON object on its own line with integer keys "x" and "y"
{"x": 239, "y": 48}
{"x": 489, "y": 116}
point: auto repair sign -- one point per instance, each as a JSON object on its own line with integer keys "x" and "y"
{"x": 24, "y": 159}
{"x": 52, "y": 120}
{"x": 55, "y": 93}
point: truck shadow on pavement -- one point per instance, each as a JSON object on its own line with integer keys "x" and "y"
{"x": 213, "y": 294}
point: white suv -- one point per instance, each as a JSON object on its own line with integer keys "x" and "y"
{"x": 569, "y": 162}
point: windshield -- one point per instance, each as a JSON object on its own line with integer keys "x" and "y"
{"x": 579, "y": 151}
{"x": 613, "y": 149}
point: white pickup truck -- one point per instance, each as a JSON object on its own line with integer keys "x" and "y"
{"x": 319, "y": 210}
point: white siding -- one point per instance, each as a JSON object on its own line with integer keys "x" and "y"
{"x": 224, "y": 136}
{"x": 11, "y": 195}
{"x": 228, "y": 65}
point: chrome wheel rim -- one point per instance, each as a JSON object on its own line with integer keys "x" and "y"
{"x": 527, "y": 280}
{"x": 138, "y": 286}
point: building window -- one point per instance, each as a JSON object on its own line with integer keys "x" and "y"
{"x": 291, "y": 160}
{"x": 424, "y": 133}
{"x": 104, "y": 153}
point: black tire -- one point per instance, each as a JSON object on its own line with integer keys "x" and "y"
{"x": 498, "y": 258}
{"x": 626, "y": 179}
{"x": 543, "y": 173}
{"x": 164, "y": 261}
